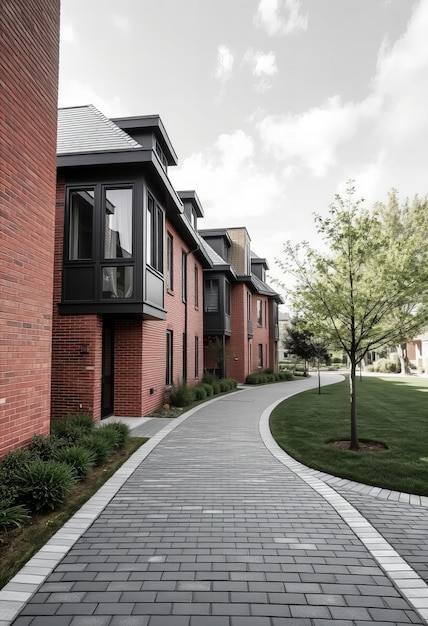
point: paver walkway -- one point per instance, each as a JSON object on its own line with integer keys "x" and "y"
{"x": 216, "y": 526}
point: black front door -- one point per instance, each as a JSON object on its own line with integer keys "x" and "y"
{"x": 107, "y": 385}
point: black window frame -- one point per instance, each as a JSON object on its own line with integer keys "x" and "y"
{"x": 169, "y": 365}
{"x": 155, "y": 234}
{"x": 169, "y": 261}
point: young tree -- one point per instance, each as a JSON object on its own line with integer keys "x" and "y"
{"x": 368, "y": 290}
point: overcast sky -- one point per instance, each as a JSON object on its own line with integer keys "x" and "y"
{"x": 271, "y": 105}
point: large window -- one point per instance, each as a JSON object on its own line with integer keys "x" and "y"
{"x": 170, "y": 262}
{"x": 81, "y": 225}
{"x": 211, "y": 304}
{"x": 118, "y": 224}
{"x": 168, "y": 376}
{"x": 154, "y": 238}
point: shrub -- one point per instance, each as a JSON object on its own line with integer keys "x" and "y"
{"x": 232, "y": 382}
{"x": 224, "y": 385}
{"x": 44, "y": 485}
{"x": 208, "y": 378}
{"x": 45, "y": 447}
{"x": 285, "y": 375}
{"x": 121, "y": 429}
{"x": 199, "y": 392}
{"x": 180, "y": 395}
{"x": 11, "y": 464}
{"x": 370, "y": 368}
{"x": 80, "y": 459}
{"x": 216, "y": 387}
{"x": 12, "y": 516}
{"x": 72, "y": 427}
{"x": 387, "y": 366}
{"x": 208, "y": 389}
{"x": 99, "y": 445}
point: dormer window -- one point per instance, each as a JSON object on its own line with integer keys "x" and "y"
{"x": 161, "y": 155}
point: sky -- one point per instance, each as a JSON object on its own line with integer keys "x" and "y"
{"x": 271, "y": 105}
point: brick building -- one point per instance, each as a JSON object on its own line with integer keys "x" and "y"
{"x": 128, "y": 314}
{"x": 28, "y": 120}
{"x": 240, "y": 308}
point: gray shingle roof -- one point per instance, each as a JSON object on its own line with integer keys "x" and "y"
{"x": 85, "y": 129}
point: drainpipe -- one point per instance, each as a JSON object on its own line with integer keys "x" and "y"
{"x": 186, "y": 254}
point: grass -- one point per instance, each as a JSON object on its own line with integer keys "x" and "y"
{"x": 392, "y": 411}
{"x": 18, "y": 546}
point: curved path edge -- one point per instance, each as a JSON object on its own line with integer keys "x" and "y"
{"x": 406, "y": 580}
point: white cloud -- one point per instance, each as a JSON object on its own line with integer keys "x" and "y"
{"x": 402, "y": 79}
{"x": 263, "y": 63}
{"x": 281, "y": 17}
{"x": 228, "y": 181}
{"x": 263, "y": 67}
{"x": 223, "y": 70}
{"x": 311, "y": 138}
{"x": 76, "y": 93}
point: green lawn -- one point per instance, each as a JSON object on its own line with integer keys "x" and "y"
{"x": 393, "y": 411}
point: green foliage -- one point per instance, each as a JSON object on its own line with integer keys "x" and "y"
{"x": 45, "y": 447}
{"x": 10, "y": 465}
{"x": 12, "y": 516}
{"x": 216, "y": 387}
{"x": 199, "y": 393}
{"x": 72, "y": 427}
{"x": 99, "y": 444}
{"x": 232, "y": 382}
{"x": 43, "y": 486}
{"x": 371, "y": 286}
{"x": 80, "y": 459}
{"x": 208, "y": 389}
{"x": 209, "y": 378}
{"x": 180, "y": 395}
{"x": 120, "y": 429}
{"x": 387, "y": 366}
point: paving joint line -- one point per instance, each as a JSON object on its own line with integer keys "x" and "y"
{"x": 402, "y": 575}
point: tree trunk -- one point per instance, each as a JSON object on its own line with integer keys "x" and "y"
{"x": 319, "y": 377}
{"x": 354, "y": 445}
{"x": 404, "y": 361}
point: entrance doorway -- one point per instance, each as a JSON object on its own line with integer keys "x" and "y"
{"x": 107, "y": 384}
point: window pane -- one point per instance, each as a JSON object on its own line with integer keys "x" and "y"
{"x": 81, "y": 224}
{"x": 211, "y": 296}
{"x": 168, "y": 378}
{"x": 118, "y": 224}
{"x": 169, "y": 262}
{"x": 118, "y": 282}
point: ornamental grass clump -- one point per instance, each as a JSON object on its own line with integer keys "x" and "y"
{"x": 44, "y": 485}
{"x": 99, "y": 444}
{"x": 80, "y": 459}
{"x": 12, "y": 516}
{"x": 72, "y": 427}
{"x": 117, "y": 431}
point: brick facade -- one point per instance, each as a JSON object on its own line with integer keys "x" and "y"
{"x": 29, "y": 70}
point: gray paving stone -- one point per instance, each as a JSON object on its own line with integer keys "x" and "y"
{"x": 210, "y": 529}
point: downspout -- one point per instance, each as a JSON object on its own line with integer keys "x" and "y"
{"x": 185, "y": 360}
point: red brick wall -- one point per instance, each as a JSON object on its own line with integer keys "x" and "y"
{"x": 237, "y": 349}
{"x": 29, "y": 71}
{"x": 260, "y": 333}
{"x": 176, "y": 314}
{"x": 76, "y": 377}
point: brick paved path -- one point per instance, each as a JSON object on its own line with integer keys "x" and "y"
{"x": 212, "y": 530}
